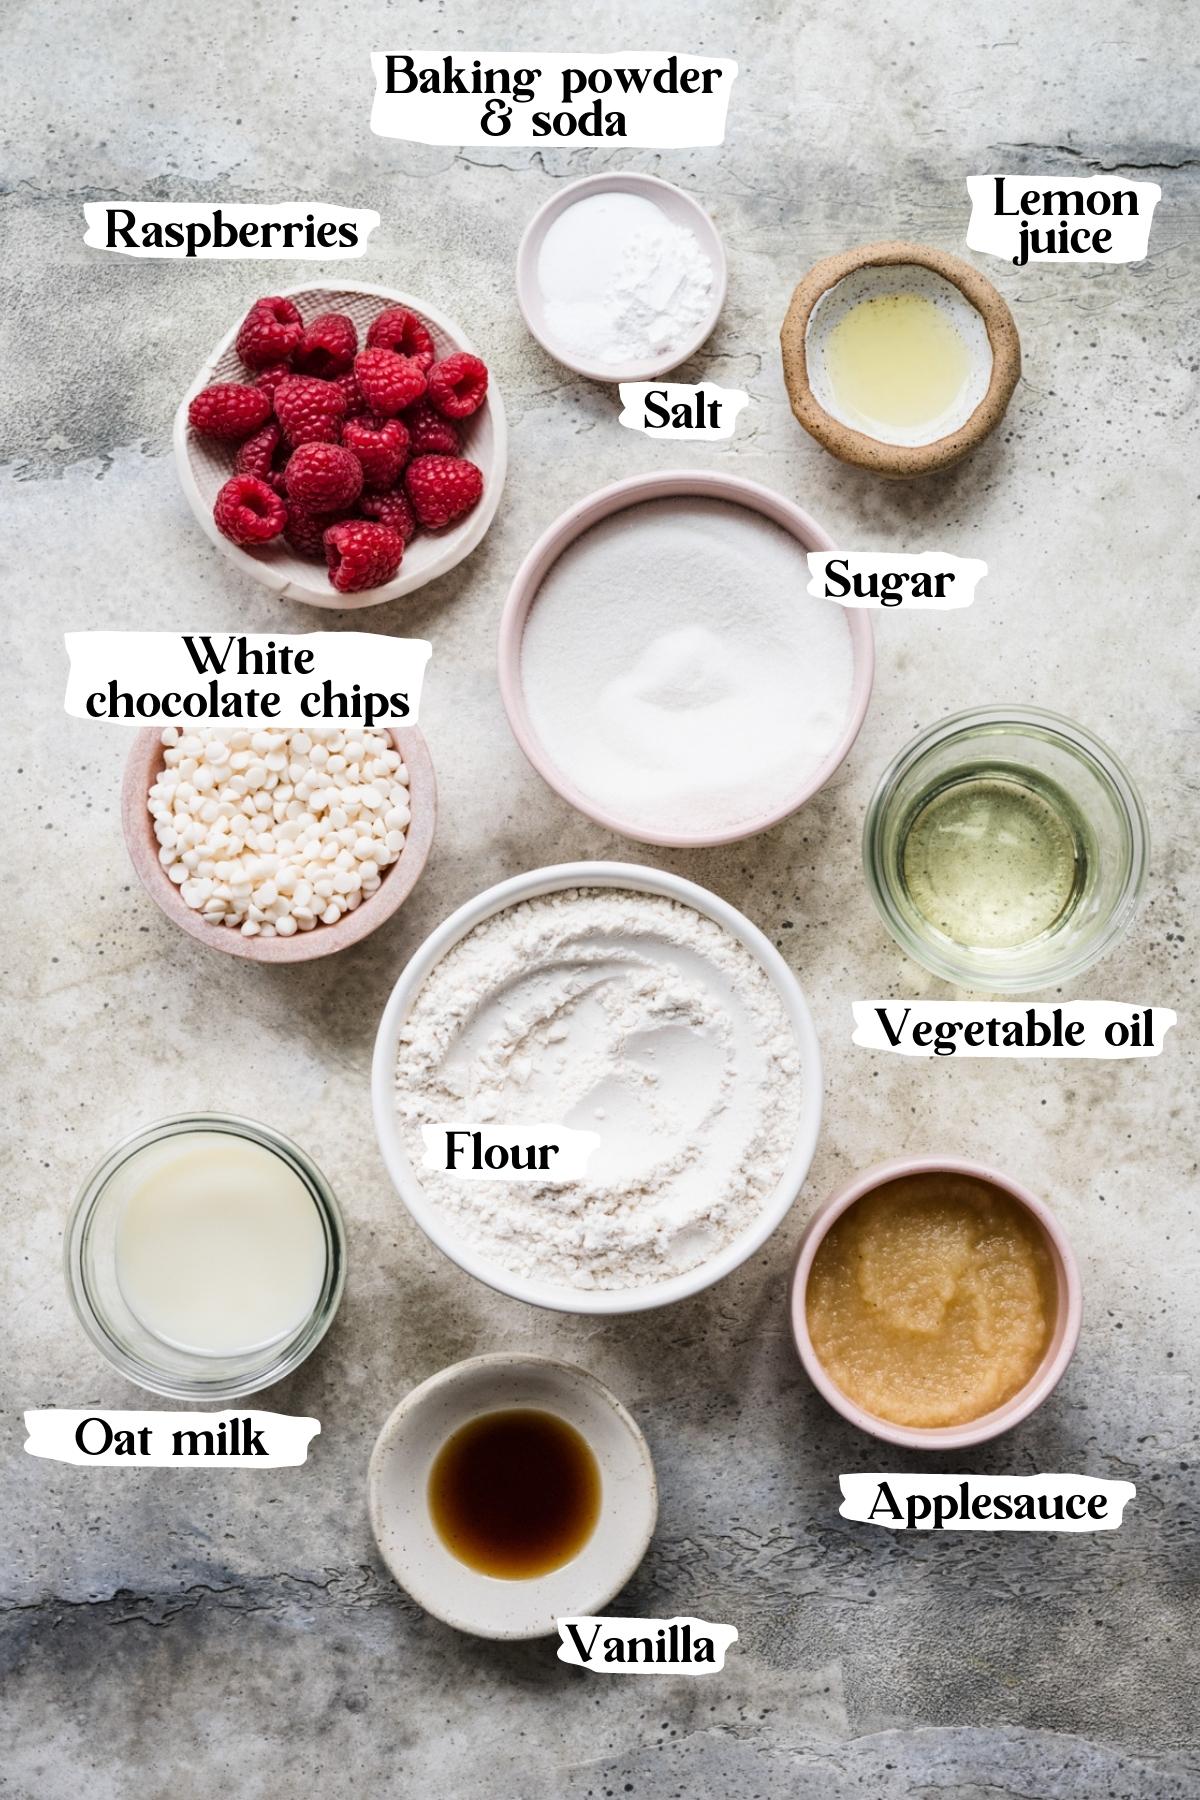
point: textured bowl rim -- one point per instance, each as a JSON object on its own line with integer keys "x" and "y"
{"x": 859, "y": 447}
{"x": 307, "y": 946}
{"x": 515, "y": 1361}
{"x": 650, "y": 187}
{"x": 322, "y": 593}
{"x": 632, "y": 490}
{"x": 595, "y": 1302}
{"x": 1058, "y": 1352}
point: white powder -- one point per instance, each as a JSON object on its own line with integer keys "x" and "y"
{"x": 622, "y": 1013}
{"x": 621, "y": 283}
{"x": 677, "y": 672}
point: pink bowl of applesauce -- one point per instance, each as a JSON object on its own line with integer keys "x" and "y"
{"x": 935, "y": 1302}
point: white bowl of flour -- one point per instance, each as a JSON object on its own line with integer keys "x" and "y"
{"x": 625, "y": 1002}
{"x": 664, "y": 667}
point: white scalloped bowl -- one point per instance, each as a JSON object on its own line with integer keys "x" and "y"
{"x": 204, "y": 464}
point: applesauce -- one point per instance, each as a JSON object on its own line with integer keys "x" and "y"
{"x": 932, "y": 1299}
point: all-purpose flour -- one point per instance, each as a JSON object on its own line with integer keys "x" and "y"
{"x": 678, "y": 673}
{"x": 622, "y": 1013}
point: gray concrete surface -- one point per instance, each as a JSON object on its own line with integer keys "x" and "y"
{"x": 183, "y": 1634}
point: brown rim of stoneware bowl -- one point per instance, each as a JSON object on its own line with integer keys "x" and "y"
{"x": 143, "y": 764}
{"x": 858, "y": 447}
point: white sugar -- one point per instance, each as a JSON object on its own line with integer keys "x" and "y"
{"x": 677, "y": 672}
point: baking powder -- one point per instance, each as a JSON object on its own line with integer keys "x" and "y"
{"x": 622, "y": 283}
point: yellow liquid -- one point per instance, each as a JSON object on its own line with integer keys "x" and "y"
{"x": 896, "y": 361}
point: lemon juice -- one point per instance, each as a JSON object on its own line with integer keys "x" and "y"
{"x": 896, "y": 362}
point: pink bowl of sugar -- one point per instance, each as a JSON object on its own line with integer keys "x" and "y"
{"x": 666, "y": 671}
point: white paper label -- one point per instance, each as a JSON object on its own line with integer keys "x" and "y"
{"x": 1056, "y": 218}
{"x": 183, "y": 229}
{"x": 928, "y": 579}
{"x": 549, "y": 97}
{"x": 679, "y": 1646}
{"x": 191, "y": 678}
{"x": 169, "y": 1440}
{"x": 985, "y": 1502}
{"x": 1083, "y": 1028}
{"x": 521, "y": 1151}
{"x": 675, "y": 410}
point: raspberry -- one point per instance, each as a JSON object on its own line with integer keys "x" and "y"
{"x": 394, "y": 510}
{"x": 268, "y": 379}
{"x": 328, "y": 346}
{"x": 310, "y": 411}
{"x": 400, "y": 330}
{"x": 348, "y": 386}
{"x": 362, "y": 554}
{"x": 458, "y": 385}
{"x": 257, "y": 455}
{"x": 269, "y": 333}
{"x": 381, "y": 446}
{"x": 248, "y": 511}
{"x": 305, "y": 530}
{"x": 431, "y": 434}
{"x": 442, "y": 489}
{"x": 388, "y": 383}
{"x": 229, "y": 409}
{"x": 323, "y": 477}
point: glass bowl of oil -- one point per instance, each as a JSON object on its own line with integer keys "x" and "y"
{"x": 1005, "y": 849}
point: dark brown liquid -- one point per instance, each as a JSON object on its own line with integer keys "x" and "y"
{"x": 515, "y": 1493}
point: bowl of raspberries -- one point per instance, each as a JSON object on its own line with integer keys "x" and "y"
{"x": 343, "y": 445}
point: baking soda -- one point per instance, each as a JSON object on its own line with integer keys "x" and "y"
{"x": 677, "y": 672}
{"x": 622, "y": 283}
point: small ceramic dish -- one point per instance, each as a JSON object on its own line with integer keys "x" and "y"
{"x": 978, "y": 313}
{"x": 633, "y": 491}
{"x": 432, "y": 1219}
{"x": 680, "y": 208}
{"x": 1057, "y": 1354}
{"x": 485, "y": 1605}
{"x": 204, "y": 464}
{"x": 143, "y": 765}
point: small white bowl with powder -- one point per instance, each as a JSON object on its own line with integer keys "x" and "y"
{"x": 622, "y": 1001}
{"x": 621, "y": 277}
{"x": 665, "y": 669}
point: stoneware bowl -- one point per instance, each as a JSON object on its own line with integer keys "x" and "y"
{"x": 204, "y": 464}
{"x": 633, "y": 491}
{"x": 432, "y": 1219}
{"x": 145, "y": 763}
{"x": 1059, "y": 1350}
{"x": 680, "y": 208}
{"x": 979, "y": 314}
{"x": 398, "y": 1480}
